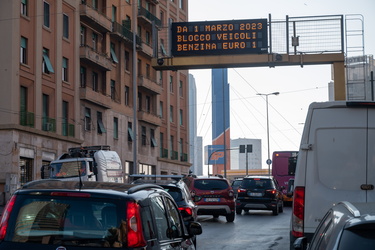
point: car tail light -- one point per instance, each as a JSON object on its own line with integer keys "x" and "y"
{"x": 241, "y": 190}
{"x": 71, "y": 194}
{"x": 5, "y": 218}
{"x": 271, "y": 191}
{"x": 231, "y": 193}
{"x": 298, "y": 211}
{"x": 187, "y": 210}
{"x": 134, "y": 226}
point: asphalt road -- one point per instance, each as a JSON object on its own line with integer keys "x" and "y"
{"x": 259, "y": 230}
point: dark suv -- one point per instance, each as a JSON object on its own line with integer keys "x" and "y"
{"x": 54, "y": 214}
{"x": 345, "y": 226}
{"x": 213, "y": 196}
{"x": 259, "y": 193}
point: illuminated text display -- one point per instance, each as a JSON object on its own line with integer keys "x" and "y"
{"x": 219, "y": 37}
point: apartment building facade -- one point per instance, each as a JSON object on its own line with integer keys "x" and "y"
{"x": 67, "y": 78}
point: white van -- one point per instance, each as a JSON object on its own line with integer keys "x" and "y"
{"x": 336, "y": 162}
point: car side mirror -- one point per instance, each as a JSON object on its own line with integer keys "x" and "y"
{"x": 194, "y": 228}
{"x": 300, "y": 243}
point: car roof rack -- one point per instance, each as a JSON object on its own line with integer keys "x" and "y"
{"x": 151, "y": 176}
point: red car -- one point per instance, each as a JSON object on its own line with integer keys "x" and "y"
{"x": 213, "y": 195}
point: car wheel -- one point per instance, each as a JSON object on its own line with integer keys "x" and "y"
{"x": 230, "y": 217}
{"x": 276, "y": 210}
{"x": 281, "y": 208}
{"x": 238, "y": 210}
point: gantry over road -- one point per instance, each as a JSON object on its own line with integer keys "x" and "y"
{"x": 297, "y": 41}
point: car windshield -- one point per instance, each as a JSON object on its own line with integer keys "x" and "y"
{"x": 65, "y": 221}
{"x": 257, "y": 183}
{"x": 211, "y": 184}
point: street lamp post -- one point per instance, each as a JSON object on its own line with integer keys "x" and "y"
{"x": 268, "y": 130}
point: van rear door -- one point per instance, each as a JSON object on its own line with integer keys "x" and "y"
{"x": 337, "y": 162}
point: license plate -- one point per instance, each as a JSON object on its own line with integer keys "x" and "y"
{"x": 212, "y": 199}
{"x": 256, "y": 194}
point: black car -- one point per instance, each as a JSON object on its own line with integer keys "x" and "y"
{"x": 345, "y": 226}
{"x": 235, "y": 185}
{"x": 66, "y": 215}
{"x": 259, "y": 193}
{"x": 175, "y": 186}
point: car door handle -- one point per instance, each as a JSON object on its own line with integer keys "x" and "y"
{"x": 367, "y": 187}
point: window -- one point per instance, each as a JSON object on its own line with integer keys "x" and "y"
{"x": 171, "y": 84}
{"x": 23, "y": 58}
{"x": 65, "y": 69}
{"x": 64, "y": 119}
{"x": 152, "y": 138}
{"x": 127, "y": 90}
{"x": 181, "y": 89}
{"x": 127, "y": 60}
{"x": 148, "y": 38}
{"x": 140, "y": 101}
{"x": 115, "y": 127}
{"x": 95, "y": 4}
{"x": 143, "y": 135}
{"x": 161, "y": 109}
{"x": 101, "y": 128}
{"x": 171, "y": 113}
{"x": 162, "y": 48}
{"x": 139, "y": 67}
{"x": 148, "y": 104}
{"x": 83, "y": 35}
{"x": 47, "y": 66}
{"x": 181, "y": 4}
{"x": 114, "y": 11}
{"x": 113, "y": 89}
{"x": 113, "y": 53}
{"x": 181, "y": 117}
{"x": 65, "y": 26}
{"x": 181, "y": 146}
{"x": 45, "y": 112}
{"x": 130, "y": 132}
{"x": 24, "y": 5}
{"x": 87, "y": 119}
{"x": 46, "y": 15}
{"x": 162, "y": 18}
{"x": 94, "y": 41}
{"x": 160, "y": 217}
{"x": 148, "y": 70}
{"x": 83, "y": 77}
{"x": 95, "y": 81}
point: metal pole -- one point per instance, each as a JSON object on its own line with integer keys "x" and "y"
{"x": 247, "y": 165}
{"x": 268, "y": 138}
{"x": 134, "y": 72}
{"x": 224, "y": 128}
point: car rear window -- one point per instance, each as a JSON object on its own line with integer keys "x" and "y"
{"x": 210, "y": 184}
{"x": 176, "y": 193}
{"x": 64, "y": 220}
{"x": 257, "y": 183}
{"x": 358, "y": 238}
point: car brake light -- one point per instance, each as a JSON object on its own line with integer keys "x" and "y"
{"x": 134, "y": 226}
{"x": 298, "y": 211}
{"x": 241, "y": 190}
{"x": 71, "y": 194}
{"x": 271, "y": 191}
{"x": 5, "y": 218}
{"x": 188, "y": 210}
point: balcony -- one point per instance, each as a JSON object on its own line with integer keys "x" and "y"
{"x": 98, "y": 98}
{"x": 147, "y": 18}
{"x": 163, "y": 152}
{"x": 122, "y": 32}
{"x": 27, "y": 119}
{"x": 90, "y": 56}
{"x": 94, "y": 19}
{"x": 149, "y": 117}
{"x": 49, "y": 124}
{"x": 146, "y": 49}
{"x": 149, "y": 85}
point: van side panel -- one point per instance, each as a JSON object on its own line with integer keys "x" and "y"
{"x": 371, "y": 155}
{"x": 336, "y": 163}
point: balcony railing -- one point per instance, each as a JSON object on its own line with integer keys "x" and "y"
{"x": 174, "y": 155}
{"x": 99, "y": 98}
{"x": 149, "y": 117}
{"x": 125, "y": 33}
{"x": 148, "y": 16}
{"x": 27, "y": 119}
{"x": 149, "y": 85}
{"x": 184, "y": 157}
{"x": 163, "y": 153}
{"x": 68, "y": 129}
{"x": 49, "y": 124}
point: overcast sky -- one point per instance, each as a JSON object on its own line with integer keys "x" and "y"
{"x": 298, "y": 86}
